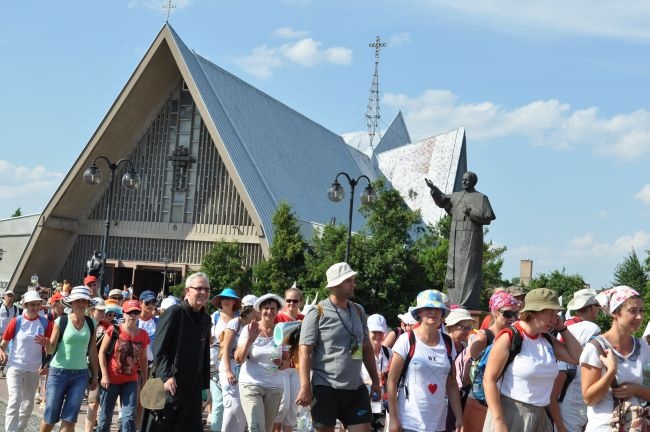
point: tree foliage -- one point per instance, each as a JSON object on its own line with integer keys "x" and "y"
{"x": 633, "y": 273}
{"x": 224, "y": 267}
{"x": 17, "y": 213}
{"x": 559, "y": 281}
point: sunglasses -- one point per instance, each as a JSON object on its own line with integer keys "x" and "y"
{"x": 292, "y": 300}
{"x": 507, "y": 314}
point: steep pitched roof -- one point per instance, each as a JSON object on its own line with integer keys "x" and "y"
{"x": 279, "y": 154}
{"x": 395, "y": 136}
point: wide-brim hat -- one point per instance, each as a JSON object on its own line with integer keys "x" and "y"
{"x": 582, "y": 298}
{"x": 540, "y": 299}
{"x": 78, "y": 293}
{"x": 266, "y": 297}
{"x": 458, "y": 315}
{"x": 377, "y": 322}
{"x": 226, "y": 293}
{"x": 339, "y": 273}
{"x": 430, "y": 299}
{"x": 32, "y": 296}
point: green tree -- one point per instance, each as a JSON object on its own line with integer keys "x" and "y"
{"x": 224, "y": 265}
{"x": 559, "y": 281}
{"x": 286, "y": 263}
{"x": 633, "y": 273}
{"x": 17, "y": 213}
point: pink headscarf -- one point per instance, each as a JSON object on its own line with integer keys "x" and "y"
{"x": 612, "y": 298}
{"x": 502, "y": 299}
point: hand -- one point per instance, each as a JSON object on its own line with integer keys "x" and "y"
{"x": 394, "y": 425}
{"x": 609, "y": 361}
{"x": 624, "y": 391}
{"x": 304, "y": 397}
{"x": 41, "y": 340}
{"x": 105, "y": 382}
{"x": 467, "y": 211}
{"x": 43, "y": 370}
{"x": 232, "y": 380}
{"x": 170, "y": 386}
{"x": 3, "y": 356}
{"x": 429, "y": 183}
{"x": 499, "y": 425}
{"x": 92, "y": 385}
{"x": 375, "y": 388}
{"x": 253, "y": 330}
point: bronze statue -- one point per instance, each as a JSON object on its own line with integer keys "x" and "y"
{"x": 469, "y": 211}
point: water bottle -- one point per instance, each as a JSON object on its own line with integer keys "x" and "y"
{"x": 304, "y": 420}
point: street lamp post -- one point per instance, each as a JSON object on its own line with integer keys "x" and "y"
{"x": 130, "y": 181}
{"x": 336, "y": 194}
{"x": 165, "y": 261}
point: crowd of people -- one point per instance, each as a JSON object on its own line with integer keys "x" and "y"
{"x": 275, "y": 363}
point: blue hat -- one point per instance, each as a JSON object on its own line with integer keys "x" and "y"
{"x": 225, "y": 293}
{"x": 429, "y": 299}
{"x": 146, "y": 296}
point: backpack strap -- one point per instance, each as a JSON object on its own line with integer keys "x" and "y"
{"x": 91, "y": 327}
{"x": 601, "y": 352}
{"x": 215, "y": 317}
{"x": 407, "y": 361}
{"x": 489, "y": 335}
{"x": 44, "y": 321}
{"x": 114, "y": 337}
{"x": 448, "y": 344}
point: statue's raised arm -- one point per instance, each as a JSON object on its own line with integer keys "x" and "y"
{"x": 436, "y": 194}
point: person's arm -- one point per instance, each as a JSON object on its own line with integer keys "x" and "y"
{"x": 103, "y": 361}
{"x": 228, "y": 338}
{"x": 568, "y": 350}
{"x": 474, "y": 350}
{"x": 453, "y": 394}
{"x": 554, "y": 406}
{"x": 390, "y": 339}
{"x": 371, "y": 366}
{"x": 93, "y": 360}
{"x": 394, "y": 372}
{"x": 495, "y": 364}
{"x": 49, "y": 343}
{"x": 304, "y": 368}
{"x": 250, "y": 333}
{"x": 594, "y": 383}
{"x": 7, "y": 336}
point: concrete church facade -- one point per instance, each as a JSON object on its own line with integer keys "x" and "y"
{"x": 215, "y": 157}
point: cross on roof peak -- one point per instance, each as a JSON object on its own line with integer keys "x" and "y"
{"x": 168, "y": 5}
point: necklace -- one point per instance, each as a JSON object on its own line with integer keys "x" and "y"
{"x": 267, "y": 333}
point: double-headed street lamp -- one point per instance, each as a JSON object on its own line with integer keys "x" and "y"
{"x": 130, "y": 181}
{"x": 336, "y": 194}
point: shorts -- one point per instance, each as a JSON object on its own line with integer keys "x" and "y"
{"x": 351, "y": 407}
{"x": 63, "y": 394}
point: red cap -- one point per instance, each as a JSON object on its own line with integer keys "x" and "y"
{"x": 90, "y": 279}
{"x": 56, "y": 297}
{"x": 130, "y": 306}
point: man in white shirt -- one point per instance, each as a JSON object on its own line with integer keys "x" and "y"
{"x": 8, "y": 310}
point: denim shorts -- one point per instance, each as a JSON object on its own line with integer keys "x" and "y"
{"x": 64, "y": 394}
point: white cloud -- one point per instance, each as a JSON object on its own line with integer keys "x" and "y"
{"x": 305, "y": 52}
{"x": 399, "y": 39}
{"x": 289, "y": 33}
{"x": 548, "y": 18}
{"x": 544, "y": 122}
{"x": 644, "y": 194}
{"x": 18, "y": 181}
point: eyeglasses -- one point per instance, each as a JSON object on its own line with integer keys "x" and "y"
{"x": 292, "y": 300}
{"x": 466, "y": 328}
{"x": 204, "y": 289}
{"x": 133, "y": 312}
{"x": 150, "y": 303}
{"x": 116, "y": 298}
{"x": 507, "y": 314}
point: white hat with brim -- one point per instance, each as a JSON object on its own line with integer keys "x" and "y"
{"x": 407, "y": 318}
{"x": 32, "y": 296}
{"x": 582, "y": 298}
{"x": 266, "y": 297}
{"x": 377, "y": 323}
{"x": 78, "y": 293}
{"x": 339, "y": 273}
{"x": 458, "y": 315}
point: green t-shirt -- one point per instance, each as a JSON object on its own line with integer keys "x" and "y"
{"x": 73, "y": 347}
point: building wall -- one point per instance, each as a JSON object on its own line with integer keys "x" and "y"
{"x": 14, "y": 235}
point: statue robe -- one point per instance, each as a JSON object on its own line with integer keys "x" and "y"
{"x": 465, "y": 258}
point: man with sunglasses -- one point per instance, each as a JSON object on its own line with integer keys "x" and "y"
{"x": 334, "y": 342}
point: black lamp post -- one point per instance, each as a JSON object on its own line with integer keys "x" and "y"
{"x": 163, "y": 291}
{"x": 336, "y": 194}
{"x": 130, "y": 180}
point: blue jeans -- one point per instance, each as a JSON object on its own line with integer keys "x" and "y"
{"x": 64, "y": 394}
{"x": 217, "y": 404}
{"x": 107, "y": 398}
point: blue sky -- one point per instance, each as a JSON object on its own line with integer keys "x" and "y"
{"x": 553, "y": 95}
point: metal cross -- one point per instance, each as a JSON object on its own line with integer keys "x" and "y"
{"x": 181, "y": 161}
{"x": 169, "y": 6}
{"x": 377, "y": 46}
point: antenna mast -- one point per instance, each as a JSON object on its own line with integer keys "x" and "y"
{"x": 372, "y": 115}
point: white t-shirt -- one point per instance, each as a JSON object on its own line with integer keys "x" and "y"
{"x": 381, "y": 360}
{"x": 258, "y": 369}
{"x": 530, "y": 376}
{"x": 26, "y": 353}
{"x": 629, "y": 370}
{"x": 236, "y": 326}
{"x": 582, "y": 331}
{"x": 6, "y": 314}
{"x": 426, "y": 380}
{"x": 148, "y": 326}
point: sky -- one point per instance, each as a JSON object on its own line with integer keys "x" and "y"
{"x": 553, "y": 96}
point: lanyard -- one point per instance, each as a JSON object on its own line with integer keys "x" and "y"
{"x": 343, "y": 323}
